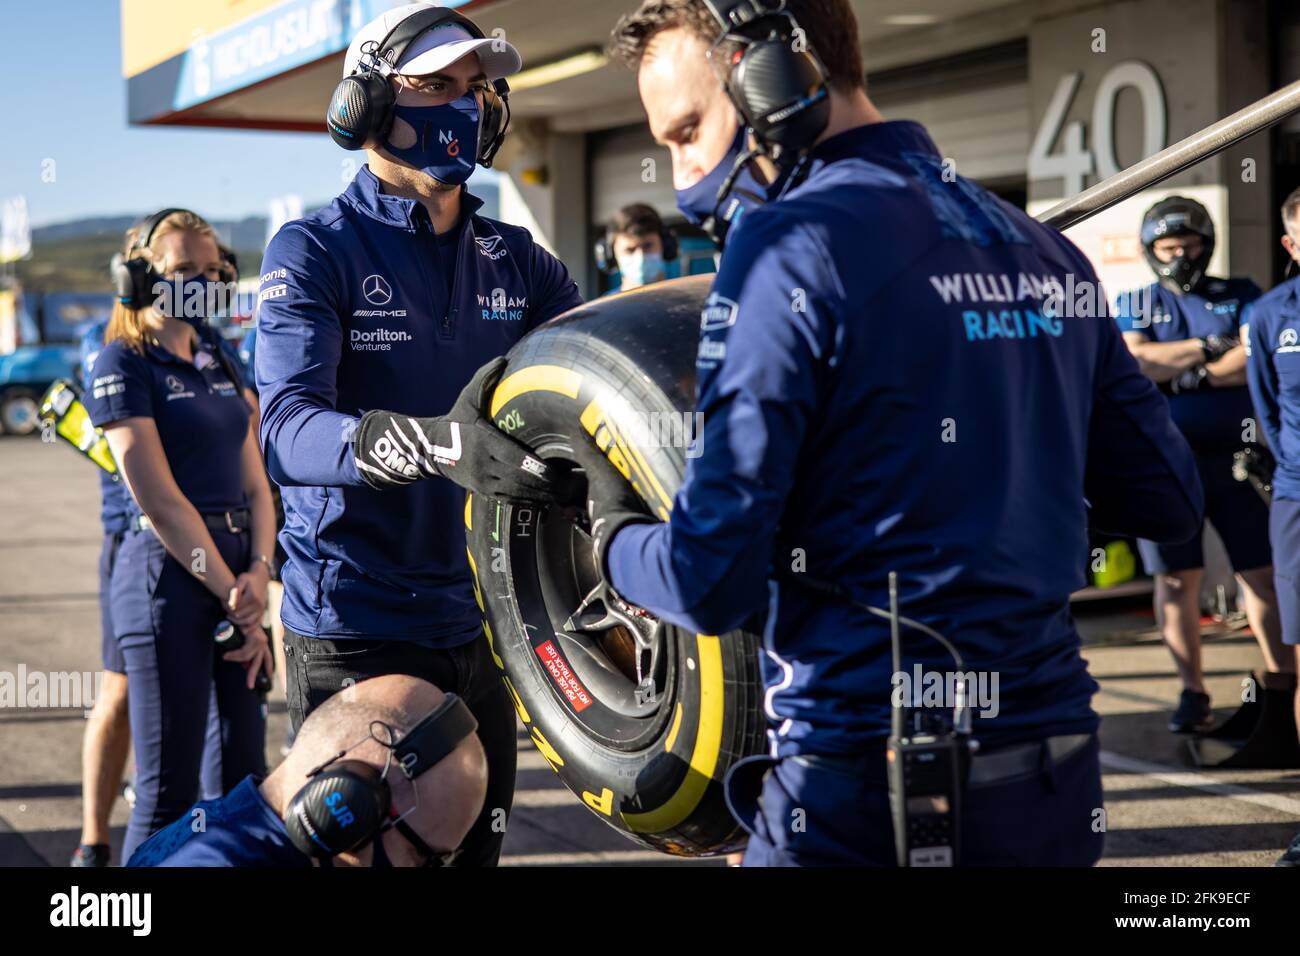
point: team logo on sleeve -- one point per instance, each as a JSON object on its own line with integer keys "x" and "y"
{"x": 719, "y": 313}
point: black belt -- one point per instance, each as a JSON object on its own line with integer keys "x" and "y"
{"x": 234, "y": 522}
{"x": 992, "y": 767}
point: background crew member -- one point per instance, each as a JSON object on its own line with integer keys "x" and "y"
{"x": 1271, "y": 333}
{"x": 169, "y": 400}
{"x": 638, "y": 249}
{"x": 388, "y": 299}
{"x": 246, "y": 827}
{"x": 1183, "y": 330}
{"x": 107, "y": 741}
{"x": 869, "y": 409}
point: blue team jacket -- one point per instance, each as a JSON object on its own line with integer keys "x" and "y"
{"x": 883, "y": 390}
{"x": 1211, "y": 419}
{"x": 355, "y": 314}
{"x": 1271, "y": 329}
{"x": 239, "y": 829}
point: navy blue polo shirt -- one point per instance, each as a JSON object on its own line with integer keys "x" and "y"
{"x": 1271, "y": 330}
{"x": 886, "y": 385}
{"x": 115, "y": 498}
{"x": 239, "y": 829}
{"x": 362, "y": 306}
{"x": 200, "y": 413}
{"x": 1211, "y": 419}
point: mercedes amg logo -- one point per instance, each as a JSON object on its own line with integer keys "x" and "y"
{"x": 1288, "y": 337}
{"x": 377, "y": 290}
{"x": 175, "y": 384}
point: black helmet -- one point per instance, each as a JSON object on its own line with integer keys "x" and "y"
{"x": 1178, "y": 216}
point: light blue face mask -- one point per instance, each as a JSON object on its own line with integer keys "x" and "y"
{"x": 640, "y": 268}
{"x": 446, "y": 139}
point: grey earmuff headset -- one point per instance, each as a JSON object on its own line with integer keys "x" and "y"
{"x": 360, "y": 114}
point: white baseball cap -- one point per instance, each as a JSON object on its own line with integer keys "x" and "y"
{"x": 434, "y": 49}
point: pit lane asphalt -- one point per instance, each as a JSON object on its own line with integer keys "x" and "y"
{"x": 1159, "y": 812}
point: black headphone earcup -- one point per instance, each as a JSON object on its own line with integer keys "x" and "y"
{"x": 360, "y": 113}
{"x": 671, "y": 248}
{"x": 133, "y": 280}
{"x": 493, "y": 120}
{"x": 781, "y": 94}
{"x": 338, "y": 810}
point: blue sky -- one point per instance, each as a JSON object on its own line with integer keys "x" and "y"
{"x": 63, "y": 62}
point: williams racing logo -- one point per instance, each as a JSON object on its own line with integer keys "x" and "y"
{"x": 494, "y": 247}
{"x": 378, "y": 291}
{"x": 499, "y": 307}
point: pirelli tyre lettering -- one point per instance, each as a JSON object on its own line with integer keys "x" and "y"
{"x": 640, "y": 719}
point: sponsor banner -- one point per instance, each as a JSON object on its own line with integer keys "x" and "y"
{"x": 219, "y": 58}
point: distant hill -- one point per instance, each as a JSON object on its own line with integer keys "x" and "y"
{"x": 73, "y": 256}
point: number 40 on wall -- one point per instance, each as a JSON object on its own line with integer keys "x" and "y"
{"x": 1075, "y": 161}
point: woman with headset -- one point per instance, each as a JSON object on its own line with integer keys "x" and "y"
{"x": 168, "y": 396}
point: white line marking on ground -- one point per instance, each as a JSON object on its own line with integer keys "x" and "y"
{"x": 1195, "y": 780}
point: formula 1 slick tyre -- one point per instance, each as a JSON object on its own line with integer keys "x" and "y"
{"x": 640, "y": 719}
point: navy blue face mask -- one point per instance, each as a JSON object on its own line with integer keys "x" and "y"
{"x": 701, "y": 206}
{"x": 446, "y": 139}
{"x": 193, "y": 300}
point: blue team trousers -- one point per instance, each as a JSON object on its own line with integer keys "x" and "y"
{"x": 807, "y": 812}
{"x": 193, "y": 717}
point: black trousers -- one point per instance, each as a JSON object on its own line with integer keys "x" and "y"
{"x": 317, "y": 669}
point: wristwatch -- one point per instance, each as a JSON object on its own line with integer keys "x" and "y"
{"x": 270, "y": 568}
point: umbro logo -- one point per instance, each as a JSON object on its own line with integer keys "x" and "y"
{"x": 493, "y": 247}
{"x": 377, "y": 290}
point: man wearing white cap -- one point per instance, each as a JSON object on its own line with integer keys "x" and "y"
{"x": 373, "y": 315}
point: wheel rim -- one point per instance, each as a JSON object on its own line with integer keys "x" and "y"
{"x": 553, "y": 568}
{"x": 20, "y": 415}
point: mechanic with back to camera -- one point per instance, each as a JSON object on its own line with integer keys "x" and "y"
{"x": 862, "y": 377}
{"x": 373, "y": 314}
{"x": 1184, "y": 331}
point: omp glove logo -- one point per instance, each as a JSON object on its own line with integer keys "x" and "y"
{"x": 377, "y": 290}
{"x": 493, "y": 247}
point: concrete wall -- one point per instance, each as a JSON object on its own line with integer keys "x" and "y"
{"x": 1211, "y": 57}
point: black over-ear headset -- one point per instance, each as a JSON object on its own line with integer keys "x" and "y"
{"x": 360, "y": 113}
{"x": 781, "y": 92}
{"x": 134, "y": 276}
{"x": 606, "y": 261}
{"x": 347, "y": 803}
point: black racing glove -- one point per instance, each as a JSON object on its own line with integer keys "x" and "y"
{"x": 394, "y": 449}
{"x": 1189, "y": 381}
{"x": 611, "y": 502}
{"x": 1216, "y": 347}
